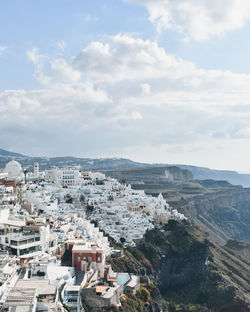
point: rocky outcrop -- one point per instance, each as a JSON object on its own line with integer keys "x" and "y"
{"x": 177, "y": 174}
{"x": 151, "y": 175}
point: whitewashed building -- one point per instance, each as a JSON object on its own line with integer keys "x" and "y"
{"x": 64, "y": 177}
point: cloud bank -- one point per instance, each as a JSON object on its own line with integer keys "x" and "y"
{"x": 126, "y": 96}
{"x": 197, "y": 20}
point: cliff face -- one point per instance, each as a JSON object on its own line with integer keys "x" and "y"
{"x": 239, "y": 247}
{"x": 151, "y": 175}
{"x": 223, "y": 215}
{"x": 193, "y": 273}
{"x": 177, "y": 174}
{"x": 176, "y": 270}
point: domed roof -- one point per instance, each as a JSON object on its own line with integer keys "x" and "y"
{"x": 14, "y": 169}
{"x": 13, "y": 163}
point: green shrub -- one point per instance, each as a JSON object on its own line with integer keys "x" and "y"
{"x": 144, "y": 294}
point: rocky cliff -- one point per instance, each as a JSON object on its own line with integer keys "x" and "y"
{"x": 191, "y": 273}
{"x": 224, "y": 214}
{"x": 151, "y": 175}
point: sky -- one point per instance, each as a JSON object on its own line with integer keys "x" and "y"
{"x": 159, "y": 81}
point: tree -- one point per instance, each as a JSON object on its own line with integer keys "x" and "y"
{"x": 171, "y": 225}
{"x": 99, "y": 182}
{"x": 82, "y": 199}
{"x": 89, "y": 209}
{"x": 144, "y": 294}
{"x": 110, "y": 198}
{"x": 68, "y": 199}
{"x": 122, "y": 240}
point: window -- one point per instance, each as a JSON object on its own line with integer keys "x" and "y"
{"x": 78, "y": 259}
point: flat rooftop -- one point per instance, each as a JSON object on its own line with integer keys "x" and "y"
{"x": 133, "y": 281}
{"x": 110, "y": 292}
{"x": 43, "y": 287}
{"x": 17, "y": 223}
{"x": 85, "y": 247}
{"x": 21, "y": 300}
{"x": 73, "y": 288}
{"x": 32, "y": 254}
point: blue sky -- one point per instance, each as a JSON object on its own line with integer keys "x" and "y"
{"x": 156, "y": 81}
{"x": 43, "y": 23}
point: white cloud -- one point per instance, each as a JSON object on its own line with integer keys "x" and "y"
{"x": 136, "y": 116}
{"x": 126, "y": 58}
{"x": 63, "y": 71}
{"x": 2, "y": 50}
{"x": 198, "y": 20}
{"x": 61, "y": 45}
{"x": 125, "y": 94}
{"x": 127, "y": 61}
{"x": 39, "y": 61}
{"x": 145, "y": 89}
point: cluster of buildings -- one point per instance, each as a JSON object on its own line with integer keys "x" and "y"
{"x": 55, "y": 231}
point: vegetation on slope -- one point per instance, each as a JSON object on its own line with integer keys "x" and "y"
{"x": 192, "y": 274}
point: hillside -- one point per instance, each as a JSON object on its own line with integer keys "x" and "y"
{"x": 224, "y": 214}
{"x": 85, "y": 163}
{"x": 240, "y": 248}
{"x": 151, "y": 175}
{"x": 9, "y": 154}
{"x": 199, "y": 173}
{"x": 191, "y": 273}
{"x": 220, "y": 209}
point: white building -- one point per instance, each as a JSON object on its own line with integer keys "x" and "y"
{"x": 50, "y": 175}
{"x": 64, "y": 177}
{"x": 3, "y": 175}
{"x": 22, "y": 243}
{"x": 97, "y": 176}
{"x": 68, "y": 177}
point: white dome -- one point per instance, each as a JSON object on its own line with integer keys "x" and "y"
{"x": 14, "y": 170}
{"x": 13, "y": 163}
